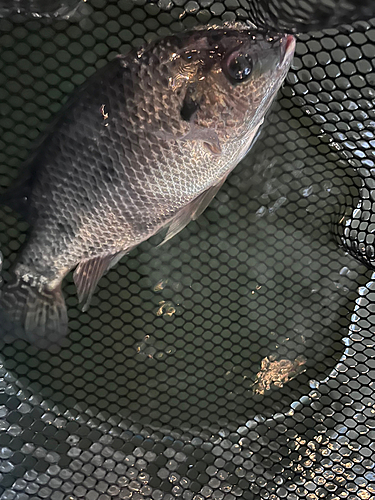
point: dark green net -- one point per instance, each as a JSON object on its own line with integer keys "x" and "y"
{"x": 236, "y": 361}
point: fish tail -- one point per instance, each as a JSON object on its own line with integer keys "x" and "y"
{"x": 32, "y": 312}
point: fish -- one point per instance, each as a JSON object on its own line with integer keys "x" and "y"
{"x": 143, "y": 145}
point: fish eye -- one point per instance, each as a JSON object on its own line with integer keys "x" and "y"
{"x": 239, "y": 67}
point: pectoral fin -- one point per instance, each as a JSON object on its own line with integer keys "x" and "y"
{"x": 192, "y": 211}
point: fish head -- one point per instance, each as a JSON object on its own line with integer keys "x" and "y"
{"x": 225, "y": 78}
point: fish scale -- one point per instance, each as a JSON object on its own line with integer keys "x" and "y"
{"x": 144, "y": 144}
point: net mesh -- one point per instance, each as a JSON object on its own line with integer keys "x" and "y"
{"x": 236, "y": 361}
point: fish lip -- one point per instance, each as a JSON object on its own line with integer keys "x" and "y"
{"x": 288, "y": 46}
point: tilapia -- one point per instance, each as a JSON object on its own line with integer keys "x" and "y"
{"x": 144, "y": 144}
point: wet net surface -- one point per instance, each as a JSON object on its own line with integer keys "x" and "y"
{"x": 237, "y": 361}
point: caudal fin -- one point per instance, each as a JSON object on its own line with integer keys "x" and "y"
{"x": 33, "y": 313}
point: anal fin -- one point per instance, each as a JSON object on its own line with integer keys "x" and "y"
{"x": 88, "y": 273}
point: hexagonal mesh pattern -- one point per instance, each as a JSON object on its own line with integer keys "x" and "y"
{"x": 236, "y": 361}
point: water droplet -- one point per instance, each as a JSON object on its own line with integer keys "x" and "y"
{"x": 192, "y": 7}
{"x": 307, "y": 191}
{"x": 160, "y": 285}
{"x": 165, "y": 4}
{"x": 165, "y": 309}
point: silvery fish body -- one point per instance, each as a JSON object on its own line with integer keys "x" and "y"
{"x": 144, "y": 144}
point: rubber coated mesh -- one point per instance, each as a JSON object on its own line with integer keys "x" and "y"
{"x": 238, "y": 360}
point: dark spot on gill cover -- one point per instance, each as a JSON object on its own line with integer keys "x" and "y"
{"x": 188, "y": 109}
{"x": 190, "y": 106}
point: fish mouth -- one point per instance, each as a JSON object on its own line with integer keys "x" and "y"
{"x": 288, "y": 45}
